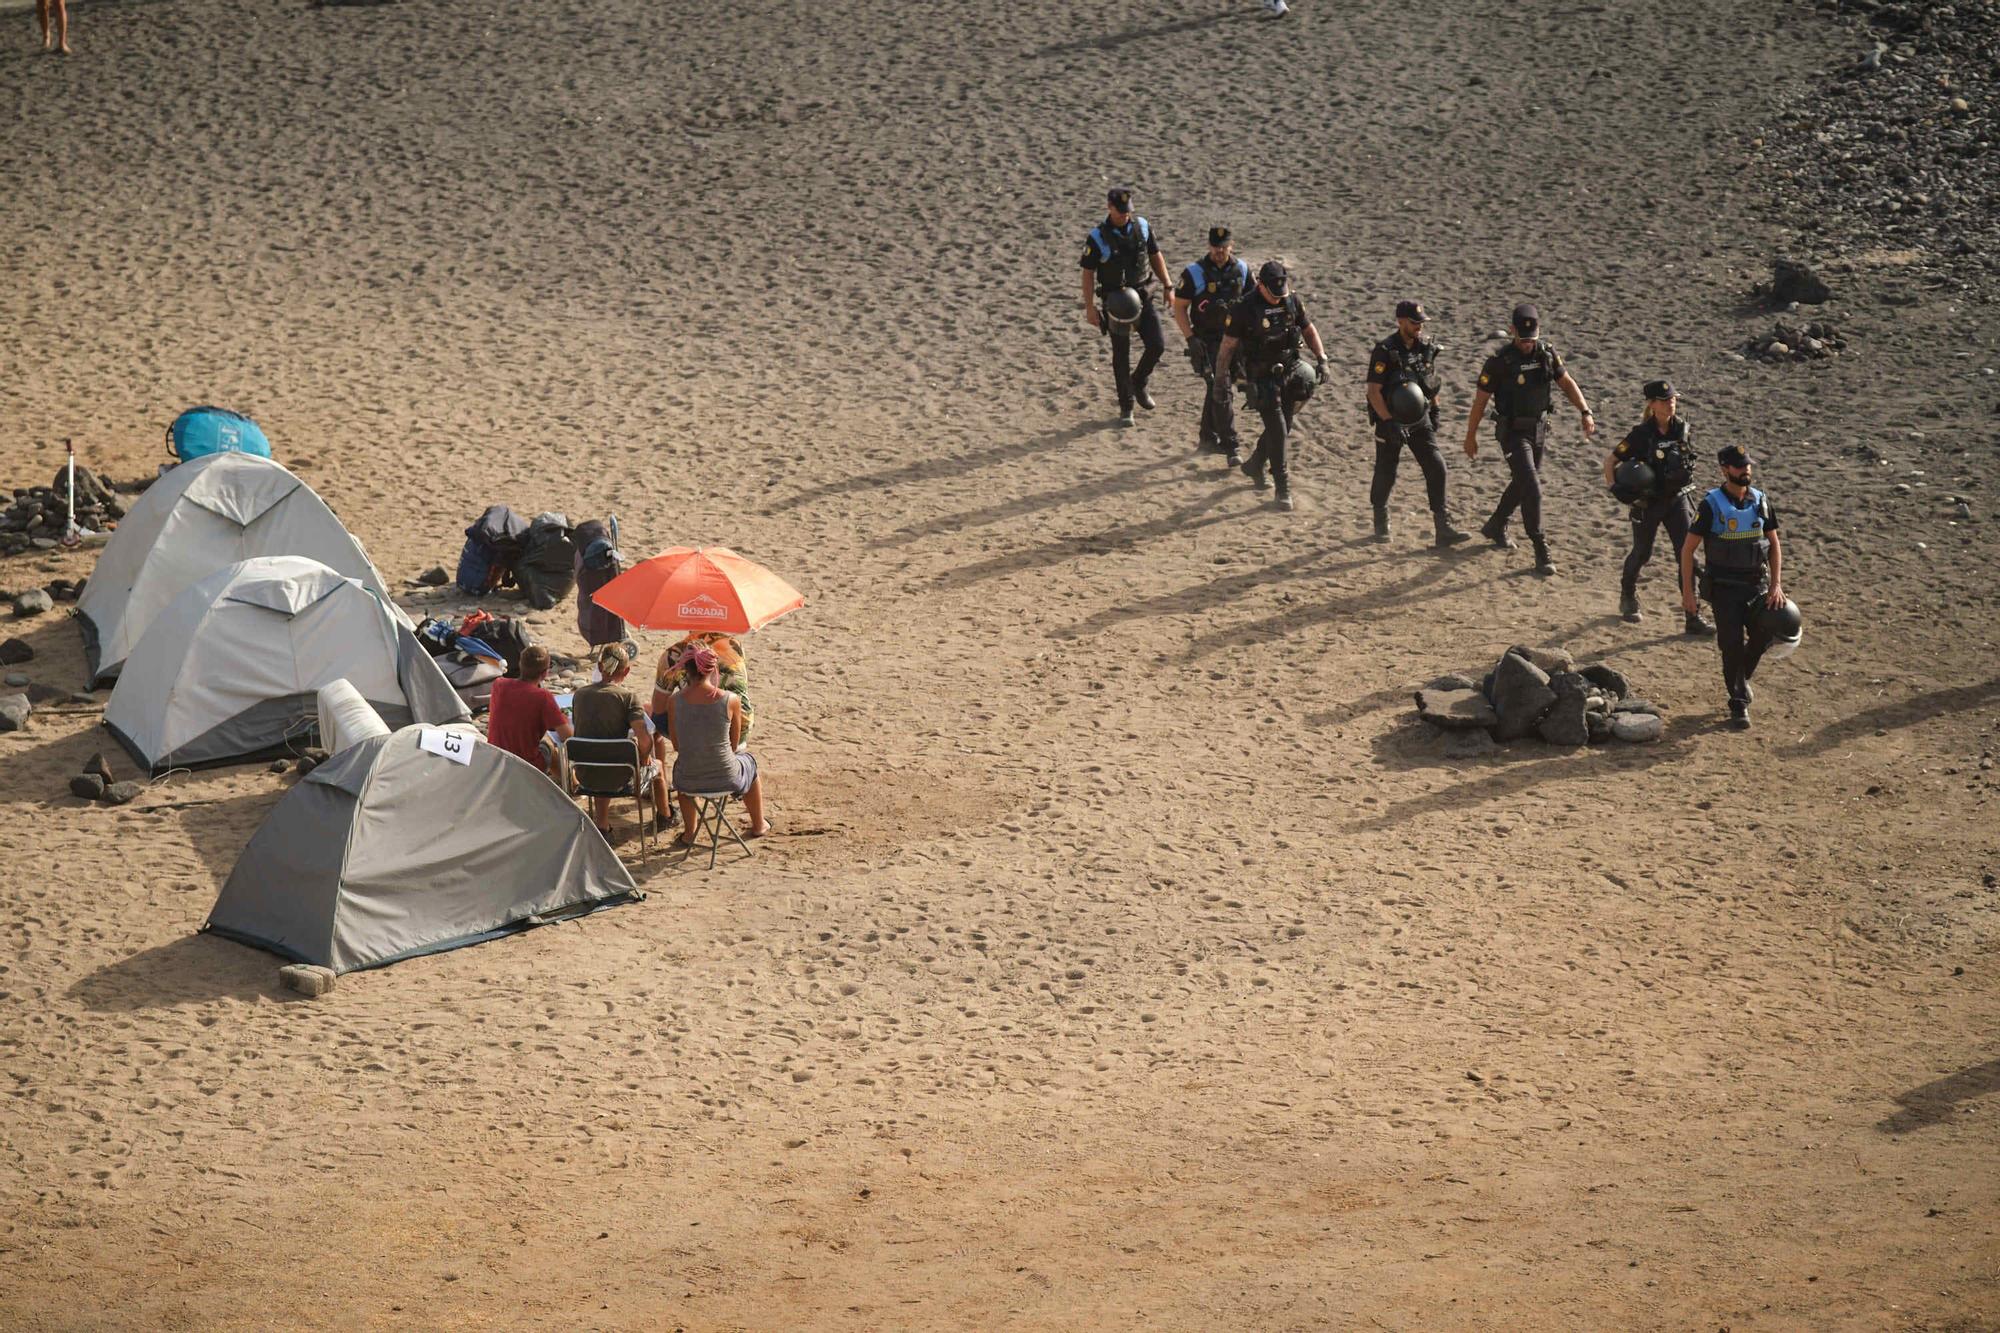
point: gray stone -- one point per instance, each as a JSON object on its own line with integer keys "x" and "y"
{"x": 1521, "y": 695}
{"x": 99, "y": 765}
{"x": 307, "y": 979}
{"x": 87, "y": 785}
{"x": 16, "y": 651}
{"x": 17, "y": 679}
{"x": 1456, "y": 710}
{"x": 14, "y": 710}
{"x": 1792, "y": 282}
{"x": 1599, "y": 726}
{"x": 122, "y": 793}
{"x": 1453, "y": 683}
{"x": 1637, "y": 726}
{"x": 1604, "y": 678}
{"x": 434, "y": 577}
{"x": 1564, "y": 723}
{"x": 1468, "y": 745}
{"x": 33, "y": 602}
{"x": 40, "y": 544}
{"x": 1550, "y": 660}
{"x": 1636, "y": 706}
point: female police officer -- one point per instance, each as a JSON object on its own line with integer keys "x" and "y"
{"x": 1651, "y": 469}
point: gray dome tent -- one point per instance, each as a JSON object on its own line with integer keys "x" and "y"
{"x": 229, "y": 671}
{"x": 387, "y": 851}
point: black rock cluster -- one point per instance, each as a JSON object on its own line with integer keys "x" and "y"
{"x": 1795, "y": 342}
{"x": 1540, "y": 693}
{"x": 1895, "y": 148}
{"x": 35, "y": 518}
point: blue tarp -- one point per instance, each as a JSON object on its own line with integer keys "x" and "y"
{"x": 215, "y": 430}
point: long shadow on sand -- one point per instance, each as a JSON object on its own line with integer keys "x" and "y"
{"x": 1893, "y": 716}
{"x": 1411, "y": 746}
{"x": 194, "y": 969}
{"x": 1075, "y": 492}
{"x": 1200, "y": 597}
{"x": 944, "y": 467}
{"x": 1933, "y": 1103}
{"x": 1188, "y": 518}
{"x": 1113, "y": 41}
{"x": 1402, "y": 593}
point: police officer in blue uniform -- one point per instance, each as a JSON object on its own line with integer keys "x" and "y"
{"x": 1121, "y": 252}
{"x": 1407, "y": 357}
{"x": 1520, "y": 380}
{"x": 1267, "y": 329}
{"x": 1207, "y": 289}
{"x": 1736, "y": 530}
{"x": 1664, "y": 444}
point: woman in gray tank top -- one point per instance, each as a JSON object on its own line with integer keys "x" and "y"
{"x": 705, "y": 724}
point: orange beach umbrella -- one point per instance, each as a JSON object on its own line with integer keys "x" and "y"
{"x": 712, "y": 588}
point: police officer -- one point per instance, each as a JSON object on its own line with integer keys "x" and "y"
{"x": 1120, "y": 252}
{"x": 1207, "y": 289}
{"x": 1519, "y": 380}
{"x": 1664, "y": 443}
{"x": 1406, "y": 357}
{"x": 1737, "y": 532}
{"x": 1263, "y": 334}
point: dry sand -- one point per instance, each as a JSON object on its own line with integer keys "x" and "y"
{"x": 1127, "y": 954}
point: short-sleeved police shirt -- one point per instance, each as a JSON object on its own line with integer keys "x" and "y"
{"x": 1245, "y": 319}
{"x": 1705, "y": 525}
{"x": 1504, "y": 365}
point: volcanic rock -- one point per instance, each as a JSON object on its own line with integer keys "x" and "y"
{"x": 33, "y": 602}
{"x": 122, "y": 793}
{"x": 15, "y": 651}
{"x": 1637, "y": 726}
{"x": 87, "y": 785}
{"x": 1564, "y": 723}
{"x": 1521, "y": 695}
{"x": 1456, "y": 710}
{"x": 1605, "y": 679}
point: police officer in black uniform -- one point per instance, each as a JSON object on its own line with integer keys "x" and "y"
{"x": 1121, "y": 252}
{"x": 1663, "y": 445}
{"x": 1207, "y": 289}
{"x": 1520, "y": 380}
{"x": 1406, "y": 357}
{"x": 1736, "y": 530}
{"x": 1263, "y": 333}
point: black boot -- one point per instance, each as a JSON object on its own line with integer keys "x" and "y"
{"x": 1381, "y": 523}
{"x": 1495, "y": 531}
{"x": 1628, "y": 606}
{"x": 1697, "y": 627}
{"x": 1543, "y": 565}
{"x": 1446, "y": 534}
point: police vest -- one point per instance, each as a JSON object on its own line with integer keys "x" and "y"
{"x": 1738, "y": 548}
{"x": 1214, "y": 290}
{"x": 1526, "y": 381}
{"x": 1121, "y": 254}
{"x": 1271, "y": 340}
{"x": 1402, "y": 364}
{"x": 1673, "y": 456}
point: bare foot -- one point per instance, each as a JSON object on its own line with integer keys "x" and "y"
{"x": 64, "y": 48}
{"x": 759, "y": 832}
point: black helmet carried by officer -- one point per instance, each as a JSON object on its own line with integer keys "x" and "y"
{"x": 1303, "y": 378}
{"x": 1634, "y": 479}
{"x": 1123, "y": 306}
{"x": 1407, "y": 403}
{"x": 1783, "y": 626}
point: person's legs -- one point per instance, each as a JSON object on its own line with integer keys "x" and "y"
{"x": 1388, "y": 454}
{"x": 687, "y": 816}
{"x": 1732, "y": 632}
{"x": 42, "y": 17}
{"x": 1422, "y": 440}
{"x": 753, "y": 805}
{"x": 1155, "y": 344}
{"x": 61, "y": 8}
{"x": 600, "y": 814}
{"x": 1510, "y": 498}
{"x": 1645, "y": 527}
{"x": 1222, "y": 411}
{"x": 1121, "y": 366}
{"x": 1264, "y": 397}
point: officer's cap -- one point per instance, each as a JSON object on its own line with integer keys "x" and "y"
{"x": 1732, "y": 455}
{"x": 1411, "y": 310}
{"x": 1659, "y": 391}
{"x": 1120, "y": 198}
{"x": 1527, "y": 319}
{"x": 1274, "y": 276}
{"x": 1218, "y": 234}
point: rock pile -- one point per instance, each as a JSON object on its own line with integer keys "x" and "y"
{"x": 96, "y": 783}
{"x": 1793, "y": 342}
{"x": 1540, "y": 693}
{"x": 36, "y": 517}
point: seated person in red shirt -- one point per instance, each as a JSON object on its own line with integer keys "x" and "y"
{"x": 521, "y": 712}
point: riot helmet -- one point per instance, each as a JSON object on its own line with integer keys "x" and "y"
{"x": 1782, "y": 626}
{"x": 1123, "y": 306}
{"x": 1407, "y": 403}
{"x": 1303, "y": 378}
{"x": 1633, "y": 479}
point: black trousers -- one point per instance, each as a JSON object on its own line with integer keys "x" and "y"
{"x": 1128, "y": 379}
{"x": 1421, "y": 440}
{"x": 1742, "y": 646}
{"x": 1521, "y": 445}
{"x": 1218, "y": 415}
{"x": 1277, "y": 403}
{"x": 1647, "y": 520}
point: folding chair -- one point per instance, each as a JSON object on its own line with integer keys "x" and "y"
{"x": 612, "y": 767}
{"x": 711, "y": 814}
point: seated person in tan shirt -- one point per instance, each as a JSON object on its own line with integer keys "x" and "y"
{"x": 610, "y": 709}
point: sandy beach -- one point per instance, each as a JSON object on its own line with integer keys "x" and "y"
{"x": 1126, "y": 953}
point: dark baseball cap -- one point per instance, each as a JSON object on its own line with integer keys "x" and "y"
{"x": 1411, "y": 310}
{"x": 1659, "y": 391}
{"x": 1732, "y": 455}
{"x": 1527, "y": 319}
{"x": 1218, "y": 234}
{"x": 1120, "y": 198}
{"x": 1274, "y": 276}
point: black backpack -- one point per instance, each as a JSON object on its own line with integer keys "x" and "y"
{"x": 547, "y": 567}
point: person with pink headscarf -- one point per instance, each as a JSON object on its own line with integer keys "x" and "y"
{"x": 705, "y": 724}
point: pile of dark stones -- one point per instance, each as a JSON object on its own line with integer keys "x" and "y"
{"x": 37, "y": 515}
{"x": 1796, "y": 342}
{"x": 1893, "y": 149}
{"x": 1539, "y": 694}
{"x": 96, "y": 783}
